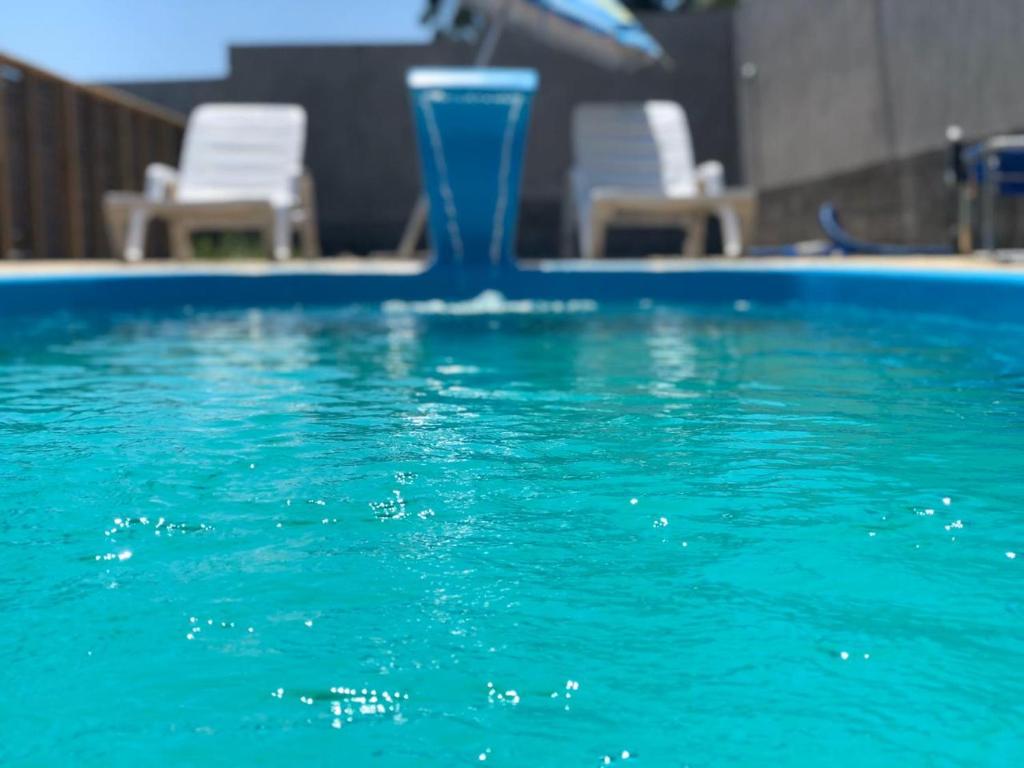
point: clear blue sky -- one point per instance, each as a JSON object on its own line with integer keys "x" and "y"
{"x": 105, "y": 40}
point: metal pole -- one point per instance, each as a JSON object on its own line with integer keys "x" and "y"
{"x": 485, "y": 53}
{"x": 957, "y": 177}
{"x": 988, "y": 201}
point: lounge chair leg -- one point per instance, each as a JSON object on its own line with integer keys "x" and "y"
{"x": 965, "y": 227}
{"x": 135, "y": 238}
{"x": 310, "y": 238}
{"x": 988, "y": 214}
{"x": 732, "y": 237}
{"x": 181, "y": 241}
{"x": 747, "y": 215}
{"x": 568, "y": 222}
{"x": 594, "y": 234}
{"x": 282, "y": 234}
{"x": 308, "y": 229}
{"x": 696, "y": 234}
{"x": 598, "y": 241}
{"x": 128, "y": 237}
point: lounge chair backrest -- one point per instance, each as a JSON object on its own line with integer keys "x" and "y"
{"x": 242, "y": 152}
{"x": 635, "y": 146}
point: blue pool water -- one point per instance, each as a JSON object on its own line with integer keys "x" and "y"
{"x": 512, "y": 534}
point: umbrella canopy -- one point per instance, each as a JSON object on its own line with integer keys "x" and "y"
{"x": 603, "y": 31}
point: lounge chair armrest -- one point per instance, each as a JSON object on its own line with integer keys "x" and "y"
{"x": 161, "y": 182}
{"x": 711, "y": 178}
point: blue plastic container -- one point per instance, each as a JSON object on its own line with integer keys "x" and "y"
{"x": 471, "y": 128}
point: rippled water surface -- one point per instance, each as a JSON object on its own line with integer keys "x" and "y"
{"x": 533, "y": 536}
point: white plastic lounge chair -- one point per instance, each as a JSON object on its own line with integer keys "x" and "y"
{"x": 633, "y": 165}
{"x": 241, "y": 168}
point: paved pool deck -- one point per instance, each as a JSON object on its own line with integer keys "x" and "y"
{"x": 359, "y": 266}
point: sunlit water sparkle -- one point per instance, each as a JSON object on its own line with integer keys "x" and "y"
{"x": 520, "y": 534}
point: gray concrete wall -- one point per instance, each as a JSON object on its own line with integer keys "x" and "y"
{"x": 361, "y": 145}
{"x": 813, "y": 106}
{"x": 953, "y": 61}
{"x": 848, "y": 84}
{"x": 896, "y": 201}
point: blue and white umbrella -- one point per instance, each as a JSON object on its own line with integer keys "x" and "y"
{"x": 604, "y": 31}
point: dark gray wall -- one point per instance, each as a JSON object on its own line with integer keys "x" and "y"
{"x": 361, "y": 144}
{"x": 180, "y": 95}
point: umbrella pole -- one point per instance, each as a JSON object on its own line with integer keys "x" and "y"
{"x": 417, "y": 220}
{"x": 485, "y": 52}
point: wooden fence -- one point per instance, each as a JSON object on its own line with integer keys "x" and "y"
{"x": 62, "y": 145}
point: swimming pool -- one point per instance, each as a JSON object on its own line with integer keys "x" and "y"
{"x": 519, "y": 532}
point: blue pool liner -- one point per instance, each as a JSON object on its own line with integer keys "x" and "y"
{"x": 987, "y": 294}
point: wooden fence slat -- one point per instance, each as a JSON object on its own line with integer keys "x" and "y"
{"x": 6, "y": 215}
{"x": 100, "y": 172}
{"x": 125, "y": 154}
{"x": 72, "y": 173}
{"x": 39, "y": 245}
{"x": 79, "y": 141}
{"x": 144, "y": 151}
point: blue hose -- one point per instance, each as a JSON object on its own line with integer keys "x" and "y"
{"x": 846, "y": 243}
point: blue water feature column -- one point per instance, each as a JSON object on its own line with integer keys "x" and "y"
{"x": 471, "y": 127}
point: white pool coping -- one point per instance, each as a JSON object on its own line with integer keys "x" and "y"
{"x": 396, "y": 267}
